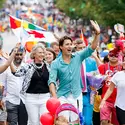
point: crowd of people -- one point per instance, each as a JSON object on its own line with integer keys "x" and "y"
{"x": 49, "y": 17}
{"x": 60, "y": 71}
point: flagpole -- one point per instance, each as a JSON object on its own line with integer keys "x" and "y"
{"x": 82, "y": 35}
{"x": 21, "y": 39}
{"x": 21, "y": 29}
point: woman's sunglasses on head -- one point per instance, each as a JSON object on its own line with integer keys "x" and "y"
{"x": 19, "y": 54}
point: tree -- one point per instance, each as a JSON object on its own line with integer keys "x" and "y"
{"x": 112, "y": 11}
{"x": 72, "y": 8}
{"x": 1, "y": 3}
{"x": 106, "y": 12}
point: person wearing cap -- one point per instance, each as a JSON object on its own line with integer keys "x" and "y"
{"x": 5, "y": 62}
{"x": 118, "y": 81}
{"x": 108, "y": 112}
{"x": 15, "y": 103}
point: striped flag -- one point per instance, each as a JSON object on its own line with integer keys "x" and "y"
{"x": 27, "y": 25}
{"x": 19, "y": 31}
{"x": 16, "y": 23}
{"x": 37, "y": 33}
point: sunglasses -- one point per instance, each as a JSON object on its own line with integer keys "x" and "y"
{"x": 113, "y": 55}
{"x": 19, "y": 54}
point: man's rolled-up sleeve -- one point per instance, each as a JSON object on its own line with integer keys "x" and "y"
{"x": 85, "y": 53}
{"x": 53, "y": 74}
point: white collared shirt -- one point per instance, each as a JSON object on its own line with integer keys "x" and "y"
{"x": 14, "y": 86}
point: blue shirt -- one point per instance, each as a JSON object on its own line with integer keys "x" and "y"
{"x": 69, "y": 74}
{"x": 91, "y": 65}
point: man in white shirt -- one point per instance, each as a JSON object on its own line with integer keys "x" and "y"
{"x": 16, "y": 112}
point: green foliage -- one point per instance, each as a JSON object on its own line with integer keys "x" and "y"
{"x": 106, "y": 12}
{"x": 1, "y": 3}
{"x": 72, "y": 8}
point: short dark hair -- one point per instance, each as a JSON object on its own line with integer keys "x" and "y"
{"x": 79, "y": 41}
{"x": 54, "y": 43}
{"x": 42, "y": 42}
{"x": 21, "y": 49}
{"x": 52, "y": 51}
{"x": 105, "y": 59}
{"x": 61, "y": 40}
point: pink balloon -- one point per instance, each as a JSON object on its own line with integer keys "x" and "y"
{"x": 52, "y": 105}
{"x": 47, "y": 119}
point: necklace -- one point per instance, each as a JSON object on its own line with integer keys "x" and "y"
{"x": 38, "y": 67}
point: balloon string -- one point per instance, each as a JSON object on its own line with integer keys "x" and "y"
{"x": 78, "y": 104}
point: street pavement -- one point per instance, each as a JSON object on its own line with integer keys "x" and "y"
{"x": 9, "y": 41}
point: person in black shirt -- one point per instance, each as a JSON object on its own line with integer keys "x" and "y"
{"x": 35, "y": 86}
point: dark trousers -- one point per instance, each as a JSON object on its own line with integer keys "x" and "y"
{"x": 16, "y": 114}
{"x": 120, "y": 115}
{"x": 96, "y": 118}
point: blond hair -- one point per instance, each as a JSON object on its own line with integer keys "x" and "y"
{"x": 35, "y": 47}
{"x": 61, "y": 120}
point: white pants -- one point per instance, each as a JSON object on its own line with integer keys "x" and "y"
{"x": 36, "y": 106}
{"x": 71, "y": 100}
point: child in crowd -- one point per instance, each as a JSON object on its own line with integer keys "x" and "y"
{"x": 61, "y": 120}
{"x": 67, "y": 114}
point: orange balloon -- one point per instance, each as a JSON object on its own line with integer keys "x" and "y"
{"x": 29, "y": 45}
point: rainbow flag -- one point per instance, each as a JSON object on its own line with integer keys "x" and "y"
{"x": 37, "y": 33}
{"x": 27, "y": 25}
{"x": 16, "y": 23}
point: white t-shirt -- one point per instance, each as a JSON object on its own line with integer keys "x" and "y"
{"x": 119, "y": 80}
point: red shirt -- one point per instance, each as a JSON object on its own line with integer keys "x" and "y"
{"x": 102, "y": 69}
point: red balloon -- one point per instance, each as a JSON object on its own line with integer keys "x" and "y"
{"x": 52, "y": 105}
{"x": 47, "y": 119}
